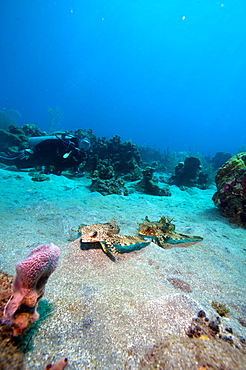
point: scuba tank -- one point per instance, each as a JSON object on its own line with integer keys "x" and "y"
{"x": 35, "y": 140}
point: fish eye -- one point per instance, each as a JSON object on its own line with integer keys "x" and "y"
{"x": 93, "y": 234}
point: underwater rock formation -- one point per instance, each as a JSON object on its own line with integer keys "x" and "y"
{"x": 105, "y": 170}
{"x": 149, "y": 184}
{"x": 189, "y": 174}
{"x": 123, "y": 157}
{"x": 112, "y": 158}
{"x": 106, "y": 187}
{"x": 15, "y": 138}
{"x": 10, "y": 142}
{"x": 205, "y": 328}
{"x": 230, "y": 197}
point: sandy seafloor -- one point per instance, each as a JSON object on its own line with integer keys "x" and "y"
{"x": 106, "y": 314}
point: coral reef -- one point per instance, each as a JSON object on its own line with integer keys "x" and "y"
{"x": 123, "y": 157}
{"x": 105, "y": 170}
{"x": 106, "y": 187}
{"x": 230, "y": 197}
{"x": 10, "y": 142}
{"x": 111, "y": 158}
{"x": 14, "y": 139}
{"x": 189, "y": 173}
{"x": 32, "y": 274}
{"x": 149, "y": 184}
{"x": 162, "y": 232}
{"x": 111, "y": 163}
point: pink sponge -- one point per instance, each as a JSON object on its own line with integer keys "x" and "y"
{"x": 32, "y": 274}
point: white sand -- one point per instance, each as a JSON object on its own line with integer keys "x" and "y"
{"x": 103, "y": 309}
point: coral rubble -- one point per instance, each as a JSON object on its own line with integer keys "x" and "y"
{"x": 209, "y": 346}
{"x": 205, "y": 328}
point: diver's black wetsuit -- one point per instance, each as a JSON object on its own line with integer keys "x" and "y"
{"x": 53, "y": 155}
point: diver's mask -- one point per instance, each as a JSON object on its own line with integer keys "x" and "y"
{"x": 84, "y": 144}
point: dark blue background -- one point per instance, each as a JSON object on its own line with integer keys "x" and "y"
{"x": 158, "y": 72}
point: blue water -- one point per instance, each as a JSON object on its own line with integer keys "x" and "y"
{"x": 159, "y": 73}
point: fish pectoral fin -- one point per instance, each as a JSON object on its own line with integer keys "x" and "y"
{"x": 104, "y": 247}
{"x": 176, "y": 236}
{"x": 109, "y": 248}
{"x": 160, "y": 240}
{"x": 125, "y": 240}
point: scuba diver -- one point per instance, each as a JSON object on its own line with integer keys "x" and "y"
{"x": 52, "y": 154}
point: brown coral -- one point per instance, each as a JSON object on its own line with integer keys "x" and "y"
{"x": 230, "y": 197}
